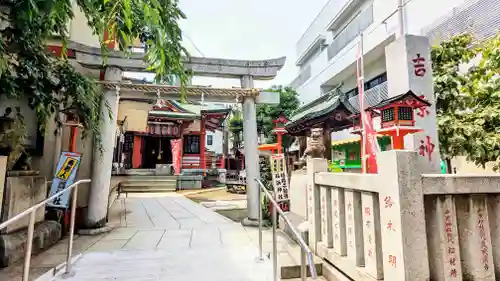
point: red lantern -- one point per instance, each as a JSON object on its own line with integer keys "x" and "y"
{"x": 397, "y": 116}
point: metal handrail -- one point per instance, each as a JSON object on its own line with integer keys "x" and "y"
{"x": 305, "y": 252}
{"x": 31, "y": 227}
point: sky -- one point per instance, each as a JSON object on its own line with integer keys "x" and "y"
{"x": 261, "y": 29}
{"x": 247, "y": 29}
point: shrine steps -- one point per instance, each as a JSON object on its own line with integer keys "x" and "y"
{"x": 289, "y": 258}
{"x": 320, "y": 278}
{"x": 144, "y": 184}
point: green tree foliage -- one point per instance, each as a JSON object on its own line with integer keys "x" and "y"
{"x": 28, "y": 72}
{"x": 467, "y": 87}
{"x": 266, "y": 113}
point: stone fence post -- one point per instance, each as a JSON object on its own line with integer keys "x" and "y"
{"x": 402, "y": 216}
{"x": 314, "y": 165}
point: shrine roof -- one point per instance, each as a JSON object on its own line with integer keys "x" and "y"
{"x": 175, "y": 115}
{"x": 372, "y": 97}
{"x": 416, "y": 101}
{"x": 187, "y": 110}
{"x": 200, "y": 109}
{"x": 333, "y": 100}
{"x": 319, "y": 107}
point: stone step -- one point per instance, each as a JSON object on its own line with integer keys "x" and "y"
{"x": 320, "y": 278}
{"x": 289, "y": 261}
{"x": 290, "y": 267}
{"x": 149, "y": 178}
{"x": 139, "y": 187}
{"x": 149, "y": 184}
{"x": 147, "y": 190}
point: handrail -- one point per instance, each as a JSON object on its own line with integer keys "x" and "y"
{"x": 31, "y": 227}
{"x": 304, "y": 249}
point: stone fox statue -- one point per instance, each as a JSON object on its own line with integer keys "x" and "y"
{"x": 315, "y": 146}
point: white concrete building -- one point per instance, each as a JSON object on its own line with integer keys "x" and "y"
{"x": 327, "y": 51}
{"x": 215, "y": 140}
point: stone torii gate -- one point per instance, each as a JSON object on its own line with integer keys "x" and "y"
{"x": 88, "y": 58}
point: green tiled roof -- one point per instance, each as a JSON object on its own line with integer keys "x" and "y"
{"x": 198, "y": 108}
{"x": 189, "y": 110}
{"x": 331, "y": 100}
{"x": 171, "y": 114}
{"x": 319, "y": 107}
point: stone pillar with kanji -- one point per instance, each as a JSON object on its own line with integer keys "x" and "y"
{"x": 409, "y": 67}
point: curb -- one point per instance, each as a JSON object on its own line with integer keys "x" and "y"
{"x": 95, "y": 231}
{"x": 202, "y": 191}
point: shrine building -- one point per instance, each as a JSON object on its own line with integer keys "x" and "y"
{"x": 147, "y": 130}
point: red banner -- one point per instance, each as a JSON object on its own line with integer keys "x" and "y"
{"x": 176, "y": 155}
{"x": 369, "y": 145}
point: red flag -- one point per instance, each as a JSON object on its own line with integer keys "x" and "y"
{"x": 176, "y": 155}
{"x": 369, "y": 145}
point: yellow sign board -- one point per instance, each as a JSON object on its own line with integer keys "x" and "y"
{"x": 67, "y": 168}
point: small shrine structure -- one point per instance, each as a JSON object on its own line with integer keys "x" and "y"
{"x": 397, "y": 117}
{"x": 149, "y": 146}
{"x": 333, "y": 111}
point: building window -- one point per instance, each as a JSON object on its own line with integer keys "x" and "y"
{"x": 376, "y": 81}
{"x": 350, "y": 31}
{"x": 368, "y": 85}
{"x": 191, "y": 145}
{"x": 210, "y": 140}
{"x": 353, "y": 155}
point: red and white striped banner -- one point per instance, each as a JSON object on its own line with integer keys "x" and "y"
{"x": 176, "y": 155}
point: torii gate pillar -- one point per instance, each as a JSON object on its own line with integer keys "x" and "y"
{"x": 252, "y": 168}
{"x": 103, "y": 162}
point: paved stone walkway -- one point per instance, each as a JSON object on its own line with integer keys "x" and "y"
{"x": 161, "y": 237}
{"x": 171, "y": 238}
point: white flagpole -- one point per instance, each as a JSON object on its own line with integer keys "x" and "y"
{"x": 401, "y": 18}
{"x": 361, "y": 93}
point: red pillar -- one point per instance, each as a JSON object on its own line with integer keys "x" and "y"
{"x": 280, "y": 145}
{"x": 136, "y": 152}
{"x": 362, "y": 154}
{"x": 223, "y": 162}
{"x": 111, "y": 44}
{"x": 72, "y": 138}
{"x": 202, "y": 146}
{"x": 398, "y": 142}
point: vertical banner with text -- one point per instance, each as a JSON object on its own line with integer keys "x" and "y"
{"x": 280, "y": 180}
{"x": 176, "y": 145}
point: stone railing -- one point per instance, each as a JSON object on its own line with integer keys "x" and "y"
{"x": 401, "y": 224}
